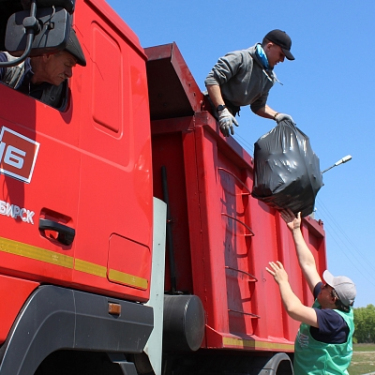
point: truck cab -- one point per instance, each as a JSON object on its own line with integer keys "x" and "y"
{"x": 77, "y": 199}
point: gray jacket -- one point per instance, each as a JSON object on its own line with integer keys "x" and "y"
{"x": 242, "y": 79}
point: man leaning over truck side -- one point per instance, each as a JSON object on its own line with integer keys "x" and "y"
{"x": 244, "y": 77}
{"x": 324, "y": 340}
{"x": 44, "y": 77}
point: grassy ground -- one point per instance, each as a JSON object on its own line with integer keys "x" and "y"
{"x": 363, "y": 361}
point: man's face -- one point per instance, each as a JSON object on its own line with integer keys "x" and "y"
{"x": 58, "y": 67}
{"x": 326, "y": 297}
{"x": 274, "y": 54}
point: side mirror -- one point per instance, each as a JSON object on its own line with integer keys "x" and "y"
{"x": 67, "y": 4}
{"x": 51, "y": 30}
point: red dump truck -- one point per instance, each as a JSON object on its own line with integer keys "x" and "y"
{"x": 130, "y": 242}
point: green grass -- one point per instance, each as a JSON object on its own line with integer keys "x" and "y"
{"x": 363, "y": 361}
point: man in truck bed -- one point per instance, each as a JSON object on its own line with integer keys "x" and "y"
{"x": 242, "y": 78}
{"x": 44, "y": 77}
{"x": 324, "y": 340}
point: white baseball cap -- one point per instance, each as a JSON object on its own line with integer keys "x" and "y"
{"x": 344, "y": 287}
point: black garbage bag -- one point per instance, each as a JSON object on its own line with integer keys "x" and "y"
{"x": 286, "y": 170}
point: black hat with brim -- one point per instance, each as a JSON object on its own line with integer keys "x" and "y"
{"x": 282, "y": 39}
{"x": 74, "y": 48}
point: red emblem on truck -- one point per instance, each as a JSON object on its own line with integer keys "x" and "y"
{"x": 17, "y": 155}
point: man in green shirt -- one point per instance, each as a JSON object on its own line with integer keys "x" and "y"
{"x": 324, "y": 341}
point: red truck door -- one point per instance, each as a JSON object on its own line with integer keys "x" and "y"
{"x": 114, "y": 230}
{"x": 39, "y": 163}
{"x": 87, "y": 192}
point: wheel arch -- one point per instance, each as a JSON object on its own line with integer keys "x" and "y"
{"x": 78, "y": 321}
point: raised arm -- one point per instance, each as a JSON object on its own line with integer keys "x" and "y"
{"x": 293, "y": 306}
{"x": 305, "y": 257}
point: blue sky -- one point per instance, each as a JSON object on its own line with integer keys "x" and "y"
{"x": 329, "y": 90}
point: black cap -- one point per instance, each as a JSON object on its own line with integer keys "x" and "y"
{"x": 282, "y": 39}
{"x": 75, "y": 49}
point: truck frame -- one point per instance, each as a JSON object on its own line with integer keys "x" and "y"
{"x": 130, "y": 242}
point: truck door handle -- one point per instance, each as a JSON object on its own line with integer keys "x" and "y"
{"x": 65, "y": 234}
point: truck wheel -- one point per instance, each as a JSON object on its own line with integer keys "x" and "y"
{"x": 279, "y": 364}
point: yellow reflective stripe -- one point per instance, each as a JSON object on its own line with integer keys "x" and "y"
{"x": 36, "y": 253}
{"x": 90, "y": 268}
{"x": 254, "y": 344}
{"x": 126, "y": 278}
{"x": 48, "y": 256}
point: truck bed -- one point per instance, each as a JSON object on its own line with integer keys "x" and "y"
{"x": 221, "y": 238}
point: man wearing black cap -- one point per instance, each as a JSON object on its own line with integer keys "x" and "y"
{"x": 45, "y": 77}
{"x": 324, "y": 341}
{"x": 245, "y": 77}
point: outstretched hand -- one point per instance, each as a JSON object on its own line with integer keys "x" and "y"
{"x": 283, "y": 116}
{"x": 290, "y": 218}
{"x": 226, "y": 122}
{"x": 277, "y": 271}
